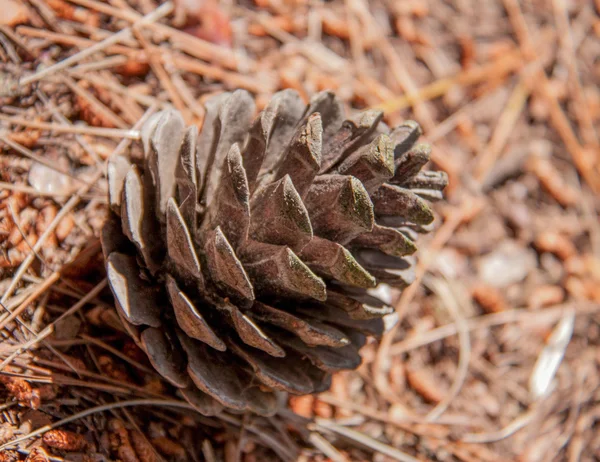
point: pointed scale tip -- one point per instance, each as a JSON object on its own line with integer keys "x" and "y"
{"x": 358, "y": 203}
{"x": 303, "y": 158}
{"x": 299, "y": 277}
{"x": 411, "y": 162}
{"x": 373, "y": 164}
{"x": 332, "y": 260}
{"x": 277, "y": 271}
{"x": 224, "y": 267}
{"x": 339, "y": 207}
{"x": 180, "y": 246}
{"x": 393, "y": 201}
{"x": 279, "y": 216}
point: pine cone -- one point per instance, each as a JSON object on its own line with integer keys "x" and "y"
{"x": 241, "y": 257}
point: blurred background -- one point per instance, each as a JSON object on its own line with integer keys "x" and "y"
{"x": 495, "y": 355}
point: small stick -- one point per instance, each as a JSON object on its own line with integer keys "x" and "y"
{"x": 146, "y": 100}
{"x": 450, "y": 122}
{"x": 365, "y": 440}
{"x": 117, "y": 353}
{"x": 405, "y": 422}
{"x": 406, "y": 82}
{"x": 163, "y": 76}
{"x": 445, "y": 293}
{"x": 68, "y": 381}
{"x": 129, "y": 108}
{"x": 16, "y": 221}
{"x": 157, "y": 14}
{"x": 588, "y": 131}
{"x": 64, "y": 121}
{"x": 35, "y": 192}
{"x": 83, "y": 130}
{"x": 513, "y": 427}
{"x": 17, "y": 41}
{"x": 504, "y": 65}
{"x": 519, "y": 25}
{"x": 81, "y": 42}
{"x": 100, "y": 65}
{"x": 184, "y": 91}
{"x": 192, "y": 45}
{"x": 504, "y": 127}
{"x": 50, "y": 327}
{"x": 97, "y": 379}
{"x": 326, "y": 448}
{"x": 584, "y": 160}
{"x": 357, "y": 46}
{"x": 95, "y": 103}
{"x": 234, "y": 80}
{"x": 486, "y": 321}
{"x": 8, "y": 51}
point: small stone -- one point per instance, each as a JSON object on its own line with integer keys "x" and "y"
{"x": 508, "y": 264}
{"x": 451, "y": 263}
{"x": 49, "y": 181}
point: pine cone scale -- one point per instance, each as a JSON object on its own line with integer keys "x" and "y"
{"x": 134, "y": 298}
{"x": 180, "y": 247}
{"x": 165, "y": 356}
{"x": 279, "y": 216}
{"x": 224, "y": 268}
{"x": 303, "y": 158}
{"x": 186, "y": 178}
{"x": 230, "y": 128}
{"x": 391, "y": 200}
{"x": 310, "y": 331}
{"x": 189, "y": 319}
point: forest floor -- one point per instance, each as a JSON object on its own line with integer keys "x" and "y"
{"x": 496, "y": 352}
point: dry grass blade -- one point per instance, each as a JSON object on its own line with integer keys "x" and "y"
{"x": 491, "y": 437}
{"x": 49, "y": 329}
{"x": 41, "y": 289}
{"x": 83, "y": 130}
{"x": 364, "y": 440}
{"x": 96, "y": 410}
{"x": 504, "y": 65}
{"x": 551, "y": 356}
{"x": 506, "y": 124}
{"x": 326, "y": 448}
{"x": 450, "y": 300}
{"x": 520, "y": 315}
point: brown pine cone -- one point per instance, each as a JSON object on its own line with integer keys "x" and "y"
{"x": 241, "y": 257}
